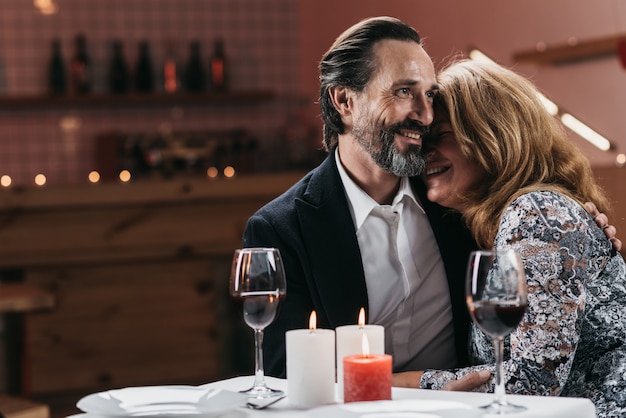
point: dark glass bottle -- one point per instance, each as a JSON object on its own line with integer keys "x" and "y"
{"x": 194, "y": 72}
{"x": 144, "y": 71}
{"x": 219, "y": 67}
{"x": 57, "y": 77}
{"x": 119, "y": 76}
{"x": 81, "y": 66}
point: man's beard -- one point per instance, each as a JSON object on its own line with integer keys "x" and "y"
{"x": 384, "y": 152}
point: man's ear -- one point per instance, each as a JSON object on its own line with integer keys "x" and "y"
{"x": 341, "y": 97}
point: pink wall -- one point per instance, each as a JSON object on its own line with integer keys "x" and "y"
{"x": 276, "y": 45}
{"x": 262, "y": 47}
{"x": 594, "y": 91}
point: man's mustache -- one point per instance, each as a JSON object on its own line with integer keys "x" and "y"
{"x": 409, "y": 125}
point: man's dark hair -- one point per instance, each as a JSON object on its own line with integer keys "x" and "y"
{"x": 350, "y": 62}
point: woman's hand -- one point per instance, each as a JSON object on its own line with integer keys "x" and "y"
{"x": 407, "y": 379}
{"x": 468, "y": 382}
{"x": 465, "y": 384}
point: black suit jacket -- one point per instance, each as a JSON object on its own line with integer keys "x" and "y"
{"x": 311, "y": 225}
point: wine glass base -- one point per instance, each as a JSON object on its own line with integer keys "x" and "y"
{"x": 499, "y": 408}
{"x": 262, "y": 392}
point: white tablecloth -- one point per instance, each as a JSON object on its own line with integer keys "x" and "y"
{"x": 538, "y": 406}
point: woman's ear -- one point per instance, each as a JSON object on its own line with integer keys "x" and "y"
{"x": 342, "y": 99}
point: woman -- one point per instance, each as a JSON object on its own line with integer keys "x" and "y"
{"x": 519, "y": 183}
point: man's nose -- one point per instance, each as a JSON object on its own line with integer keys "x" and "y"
{"x": 422, "y": 110}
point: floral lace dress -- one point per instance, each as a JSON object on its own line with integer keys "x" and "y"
{"x": 572, "y": 339}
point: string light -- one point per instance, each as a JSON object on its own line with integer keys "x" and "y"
{"x": 40, "y": 180}
{"x": 5, "y": 180}
{"x": 479, "y": 56}
{"x": 548, "y": 104}
{"x": 229, "y": 171}
{"x": 124, "y": 176}
{"x": 212, "y": 172}
{"x": 94, "y": 177}
{"x": 586, "y": 132}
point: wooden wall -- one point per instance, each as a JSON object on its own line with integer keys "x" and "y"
{"x": 140, "y": 275}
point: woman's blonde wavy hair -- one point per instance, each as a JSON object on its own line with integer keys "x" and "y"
{"x": 500, "y": 123}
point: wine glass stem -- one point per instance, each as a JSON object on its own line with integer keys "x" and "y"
{"x": 499, "y": 390}
{"x": 259, "y": 374}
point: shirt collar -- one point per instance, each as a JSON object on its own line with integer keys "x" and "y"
{"x": 361, "y": 204}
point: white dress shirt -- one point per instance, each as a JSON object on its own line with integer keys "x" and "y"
{"x": 405, "y": 277}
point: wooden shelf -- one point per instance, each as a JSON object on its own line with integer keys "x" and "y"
{"x": 572, "y": 52}
{"x": 133, "y": 99}
{"x": 23, "y": 297}
{"x": 147, "y": 220}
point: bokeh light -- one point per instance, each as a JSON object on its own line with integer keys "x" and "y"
{"x": 124, "y": 176}
{"x": 94, "y": 177}
{"x": 229, "y": 171}
{"x": 40, "y": 180}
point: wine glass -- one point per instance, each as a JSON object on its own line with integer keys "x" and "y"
{"x": 257, "y": 279}
{"x": 497, "y": 298}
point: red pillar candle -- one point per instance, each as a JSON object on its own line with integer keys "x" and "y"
{"x": 350, "y": 341}
{"x": 366, "y": 377}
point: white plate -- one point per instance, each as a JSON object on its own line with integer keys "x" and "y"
{"x": 162, "y": 401}
{"x": 404, "y": 408}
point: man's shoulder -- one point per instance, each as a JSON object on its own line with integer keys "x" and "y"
{"x": 310, "y": 188}
{"x": 287, "y": 199}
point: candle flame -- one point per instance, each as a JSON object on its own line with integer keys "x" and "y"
{"x": 361, "y": 317}
{"x": 365, "y": 345}
{"x": 313, "y": 321}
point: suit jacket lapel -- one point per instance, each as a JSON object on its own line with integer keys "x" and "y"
{"x": 329, "y": 235}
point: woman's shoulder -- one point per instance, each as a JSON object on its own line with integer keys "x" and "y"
{"x": 548, "y": 206}
{"x": 550, "y": 216}
{"x": 545, "y": 198}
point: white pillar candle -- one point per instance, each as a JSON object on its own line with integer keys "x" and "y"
{"x": 350, "y": 341}
{"x": 310, "y": 366}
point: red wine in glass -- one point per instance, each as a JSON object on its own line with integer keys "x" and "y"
{"x": 497, "y": 319}
{"x": 496, "y": 294}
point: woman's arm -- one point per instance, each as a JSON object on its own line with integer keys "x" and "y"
{"x": 561, "y": 248}
{"x": 555, "y": 237}
{"x": 467, "y": 383}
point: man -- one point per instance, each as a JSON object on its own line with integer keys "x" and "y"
{"x": 358, "y": 231}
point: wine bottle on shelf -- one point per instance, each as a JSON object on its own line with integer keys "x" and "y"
{"x": 57, "y": 76}
{"x": 194, "y": 72}
{"x": 81, "y": 66}
{"x": 144, "y": 71}
{"x": 170, "y": 70}
{"x": 119, "y": 77}
{"x": 219, "y": 67}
